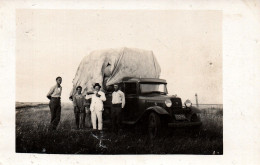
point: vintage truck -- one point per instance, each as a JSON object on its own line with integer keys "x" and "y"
{"x": 148, "y": 104}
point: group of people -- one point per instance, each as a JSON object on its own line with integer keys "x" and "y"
{"x": 86, "y": 110}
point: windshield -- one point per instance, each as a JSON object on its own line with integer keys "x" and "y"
{"x": 153, "y": 88}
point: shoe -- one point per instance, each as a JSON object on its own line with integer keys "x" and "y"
{"x": 94, "y": 134}
{"x": 100, "y": 133}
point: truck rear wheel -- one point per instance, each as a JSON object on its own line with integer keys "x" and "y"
{"x": 154, "y": 125}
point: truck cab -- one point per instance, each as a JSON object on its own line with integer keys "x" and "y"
{"x": 148, "y": 103}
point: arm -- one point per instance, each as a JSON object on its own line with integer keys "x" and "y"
{"x": 89, "y": 96}
{"x": 50, "y": 92}
{"x": 74, "y": 101}
{"x": 85, "y": 102}
{"x": 123, "y": 99}
{"x": 102, "y": 97}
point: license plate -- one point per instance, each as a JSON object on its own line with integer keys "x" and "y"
{"x": 180, "y": 117}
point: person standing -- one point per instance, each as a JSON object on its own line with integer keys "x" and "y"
{"x": 88, "y": 123}
{"x": 79, "y": 103}
{"x": 118, "y": 102}
{"x": 97, "y": 107}
{"x": 55, "y": 105}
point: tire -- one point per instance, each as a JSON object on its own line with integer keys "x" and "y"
{"x": 196, "y": 129}
{"x": 154, "y": 125}
{"x": 195, "y": 118}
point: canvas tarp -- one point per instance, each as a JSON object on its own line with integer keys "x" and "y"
{"x": 109, "y": 66}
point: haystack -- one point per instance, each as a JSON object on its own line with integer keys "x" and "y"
{"x": 109, "y": 66}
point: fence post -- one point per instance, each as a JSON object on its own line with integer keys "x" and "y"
{"x": 197, "y": 102}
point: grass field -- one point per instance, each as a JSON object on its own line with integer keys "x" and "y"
{"x": 32, "y": 136}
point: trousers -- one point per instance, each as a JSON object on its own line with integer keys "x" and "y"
{"x": 80, "y": 116}
{"x": 116, "y": 117}
{"x": 97, "y": 115}
{"x": 55, "y": 109}
{"x": 88, "y": 118}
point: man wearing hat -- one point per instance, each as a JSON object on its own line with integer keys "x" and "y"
{"x": 118, "y": 102}
{"x": 96, "y": 106}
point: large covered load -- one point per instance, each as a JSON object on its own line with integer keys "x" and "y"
{"x": 109, "y": 66}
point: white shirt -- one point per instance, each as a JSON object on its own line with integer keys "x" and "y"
{"x": 97, "y": 102}
{"x": 118, "y": 97}
{"x": 55, "y": 91}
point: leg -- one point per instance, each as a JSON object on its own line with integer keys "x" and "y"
{"x": 76, "y": 113}
{"x": 58, "y": 113}
{"x": 100, "y": 120}
{"x": 52, "y": 110}
{"x": 118, "y": 119}
{"x": 53, "y": 107}
{"x": 94, "y": 119}
{"x": 81, "y": 120}
{"x": 113, "y": 117}
{"x": 88, "y": 120}
{"x": 77, "y": 119}
{"x": 83, "y": 116}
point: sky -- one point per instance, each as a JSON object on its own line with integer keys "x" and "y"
{"x": 187, "y": 45}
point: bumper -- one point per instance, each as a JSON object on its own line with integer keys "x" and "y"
{"x": 184, "y": 124}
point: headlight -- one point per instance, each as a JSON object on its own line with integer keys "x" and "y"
{"x": 188, "y": 103}
{"x": 168, "y": 103}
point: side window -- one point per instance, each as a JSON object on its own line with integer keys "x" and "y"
{"x": 130, "y": 88}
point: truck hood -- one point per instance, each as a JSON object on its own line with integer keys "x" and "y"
{"x": 153, "y": 97}
{"x": 159, "y": 100}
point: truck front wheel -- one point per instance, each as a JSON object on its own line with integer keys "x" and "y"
{"x": 154, "y": 125}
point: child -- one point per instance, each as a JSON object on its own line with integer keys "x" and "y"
{"x": 79, "y": 103}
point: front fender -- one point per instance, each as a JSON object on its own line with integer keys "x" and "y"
{"x": 195, "y": 109}
{"x": 158, "y": 110}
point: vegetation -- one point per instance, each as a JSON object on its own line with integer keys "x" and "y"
{"x": 32, "y": 136}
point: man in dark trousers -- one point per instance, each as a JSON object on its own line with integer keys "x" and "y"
{"x": 55, "y": 106}
{"x": 118, "y": 102}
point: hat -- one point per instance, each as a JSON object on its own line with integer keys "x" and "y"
{"x": 97, "y": 84}
{"x": 78, "y": 87}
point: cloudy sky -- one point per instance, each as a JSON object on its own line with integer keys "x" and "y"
{"x": 187, "y": 44}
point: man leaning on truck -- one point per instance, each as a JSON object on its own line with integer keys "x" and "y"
{"x": 118, "y": 102}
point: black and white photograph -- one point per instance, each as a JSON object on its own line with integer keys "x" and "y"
{"x": 119, "y": 82}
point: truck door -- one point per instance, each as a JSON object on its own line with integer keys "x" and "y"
{"x": 130, "y": 90}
